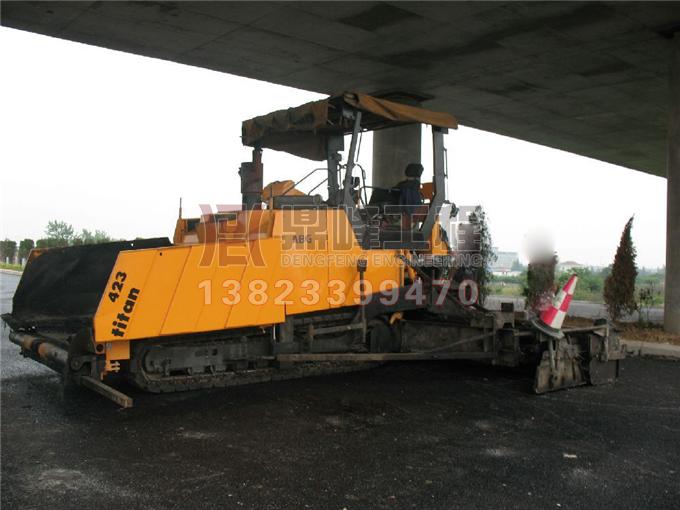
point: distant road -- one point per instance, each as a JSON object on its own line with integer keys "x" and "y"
{"x": 583, "y": 309}
{"x": 8, "y": 284}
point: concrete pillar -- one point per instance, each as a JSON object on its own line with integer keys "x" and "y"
{"x": 393, "y": 149}
{"x": 672, "y": 299}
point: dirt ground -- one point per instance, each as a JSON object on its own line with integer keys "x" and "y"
{"x": 648, "y": 334}
{"x": 632, "y": 331}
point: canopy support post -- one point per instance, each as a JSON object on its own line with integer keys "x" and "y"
{"x": 334, "y": 145}
{"x": 353, "y": 216}
{"x": 439, "y": 167}
{"x": 347, "y": 184}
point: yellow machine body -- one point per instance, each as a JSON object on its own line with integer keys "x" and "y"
{"x": 253, "y": 269}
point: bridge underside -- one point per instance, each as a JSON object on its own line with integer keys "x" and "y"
{"x": 585, "y": 77}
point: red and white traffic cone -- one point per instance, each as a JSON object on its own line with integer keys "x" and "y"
{"x": 550, "y": 321}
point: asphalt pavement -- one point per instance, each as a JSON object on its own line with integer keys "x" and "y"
{"x": 420, "y": 435}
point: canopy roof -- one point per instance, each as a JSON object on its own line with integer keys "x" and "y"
{"x": 303, "y": 131}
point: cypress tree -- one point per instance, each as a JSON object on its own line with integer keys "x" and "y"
{"x": 619, "y": 287}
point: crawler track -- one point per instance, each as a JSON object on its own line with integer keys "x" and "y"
{"x": 166, "y": 366}
{"x": 175, "y": 383}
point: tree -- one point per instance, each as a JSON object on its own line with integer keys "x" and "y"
{"x": 59, "y": 233}
{"x": 25, "y": 248}
{"x": 101, "y": 237}
{"x": 619, "y": 287}
{"x": 44, "y": 243}
{"x": 482, "y": 270}
{"x": 87, "y": 237}
{"x": 8, "y": 249}
{"x": 540, "y": 281}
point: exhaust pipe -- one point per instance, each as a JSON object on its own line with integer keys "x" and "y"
{"x": 41, "y": 350}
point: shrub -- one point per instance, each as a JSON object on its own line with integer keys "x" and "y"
{"x": 540, "y": 282}
{"x": 482, "y": 272}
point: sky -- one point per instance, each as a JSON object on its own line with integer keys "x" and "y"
{"x": 109, "y": 140}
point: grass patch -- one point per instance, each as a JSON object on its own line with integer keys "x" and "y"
{"x": 649, "y": 286}
{"x": 505, "y": 289}
{"x": 13, "y": 267}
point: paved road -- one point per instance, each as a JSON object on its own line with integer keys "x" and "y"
{"x": 584, "y": 309}
{"x": 439, "y": 435}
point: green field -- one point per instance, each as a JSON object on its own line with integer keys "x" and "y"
{"x": 590, "y": 285}
{"x": 13, "y": 267}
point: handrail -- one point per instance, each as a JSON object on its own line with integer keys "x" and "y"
{"x": 310, "y": 191}
{"x": 310, "y": 173}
